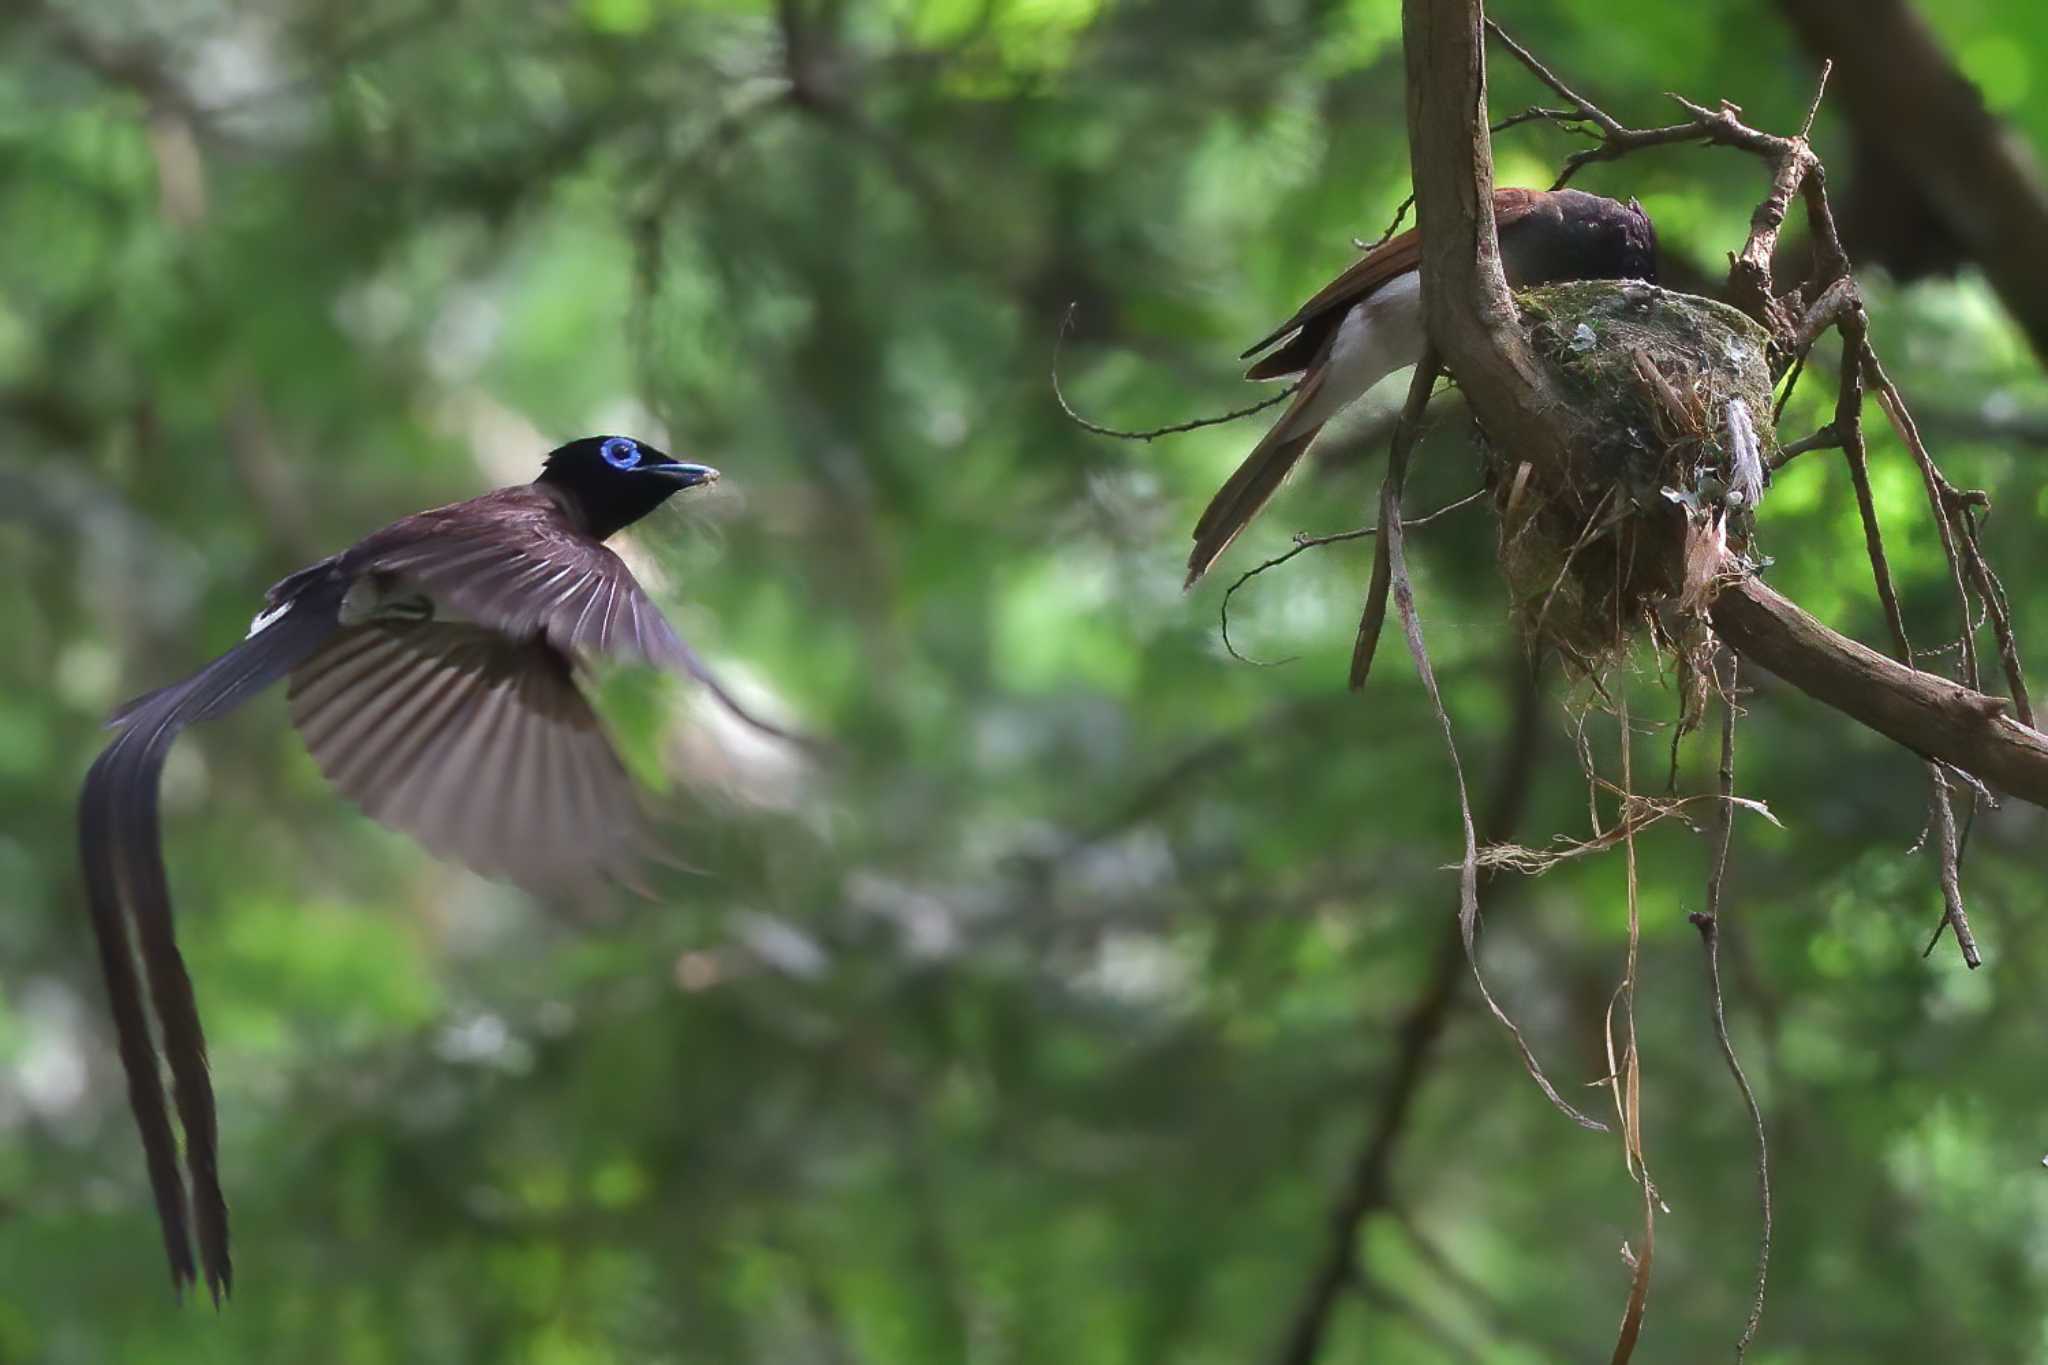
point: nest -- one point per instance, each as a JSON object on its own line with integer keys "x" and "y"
{"x": 1670, "y": 396}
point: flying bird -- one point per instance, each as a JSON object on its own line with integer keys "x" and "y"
{"x": 1367, "y": 323}
{"x": 434, "y": 675}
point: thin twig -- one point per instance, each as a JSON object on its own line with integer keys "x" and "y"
{"x": 1849, "y": 422}
{"x": 1617, "y": 140}
{"x": 1067, "y": 322}
{"x": 1940, "y": 493}
{"x": 1409, "y": 426}
{"x": 1848, "y": 425}
{"x": 1725, "y": 681}
{"x": 1827, "y": 438}
{"x": 1948, "y": 849}
{"x": 1588, "y": 533}
{"x": 1709, "y": 925}
{"x": 1785, "y": 398}
{"x": 1557, "y": 118}
{"x": 1583, "y": 109}
{"x": 1822, "y": 314}
{"x": 1991, "y": 592}
{"x": 1393, "y": 554}
{"x": 1792, "y": 161}
{"x": 1393, "y": 226}
{"x": 1637, "y": 814}
{"x": 1955, "y": 510}
{"x": 1304, "y": 541}
{"x": 1561, "y": 118}
{"x": 1827, "y": 68}
{"x": 1627, "y": 1079}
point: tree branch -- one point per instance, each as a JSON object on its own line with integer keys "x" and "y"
{"x": 1926, "y": 713}
{"x": 1470, "y": 314}
{"x": 1968, "y": 168}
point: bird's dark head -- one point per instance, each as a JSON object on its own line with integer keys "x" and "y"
{"x": 1573, "y": 235}
{"x": 613, "y": 481}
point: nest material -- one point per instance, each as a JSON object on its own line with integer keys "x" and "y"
{"x": 1671, "y": 399}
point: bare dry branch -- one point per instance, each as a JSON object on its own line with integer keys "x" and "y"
{"x": 1374, "y": 618}
{"x": 1899, "y": 85}
{"x": 1708, "y": 923}
{"x": 1627, "y": 1072}
{"x": 1304, "y": 541}
{"x": 1948, "y": 850}
{"x": 1827, "y": 438}
{"x": 1923, "y": 712}
{"x": 1067, "y": 322}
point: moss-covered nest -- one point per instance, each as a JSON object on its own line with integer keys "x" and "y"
{"x": 1670, "y": 398}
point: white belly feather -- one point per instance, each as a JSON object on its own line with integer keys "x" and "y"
{"x": 1378, "y": 336}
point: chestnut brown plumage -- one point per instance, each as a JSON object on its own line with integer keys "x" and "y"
{"x": 1367, "y": 323}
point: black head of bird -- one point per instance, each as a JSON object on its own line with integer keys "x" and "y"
{"x": 613, "y": 481}
{"x": 434, "y": 674}
{"x": 1367, "y": 323}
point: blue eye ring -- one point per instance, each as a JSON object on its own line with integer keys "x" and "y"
{"x": 620, "y": 453}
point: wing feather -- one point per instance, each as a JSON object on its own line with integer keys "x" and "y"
{"x": 476, "y": 744}
{"x": 515, "y": 561}
{"x": 1327, "y": 306}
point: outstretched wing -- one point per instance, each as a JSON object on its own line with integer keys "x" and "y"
{"x": 126, "y": 891}
{"x": 513, "y": 560}
{"x": 477, "y": 744}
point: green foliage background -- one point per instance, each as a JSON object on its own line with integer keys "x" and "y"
{"x": 1044, "y": 1021}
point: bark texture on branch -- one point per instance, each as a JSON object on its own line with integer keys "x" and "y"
{"x": 1965, "y": 164}
{"x": 1470, "y": 314}
{"x": 1924, "y": 712}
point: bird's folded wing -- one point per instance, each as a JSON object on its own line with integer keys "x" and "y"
{"x": 477, "y": 744}
{"x": 534, "y": 575}
{"x": 1394, "y": 257}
